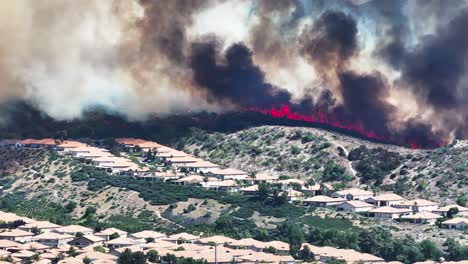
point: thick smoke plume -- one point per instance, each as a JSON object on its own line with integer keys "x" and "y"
{"x": 391, "y": 70}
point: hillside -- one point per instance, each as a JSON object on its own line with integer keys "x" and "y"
{"x": 324, "y": 156}
{"x": 45, "y": 185}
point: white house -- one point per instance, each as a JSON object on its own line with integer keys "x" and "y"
{"x": 386, "y": 199}
{"x": 354, "y": 206}
{"x": 322, "y": 201}
{"x": 228, "y": 174}
{"x": 422, "y": 218}
{"x": 353, "y": 194}
{"x": 43, "y": 226}
{"x": 53, "y": 239}
{"x": 456, "y": 223}
{"x": 72, "y": 230}
{"x": 418, "y": 205}
{"x": 387, "y": 212}
{"x": 199, "y": 166}
{"x": 462, "y": 211}
{"x": 17, "y": 235}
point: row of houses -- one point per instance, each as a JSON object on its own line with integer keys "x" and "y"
{"x": 188, "y": 170}
{"x": 391, "y": 206}
{"x": 48, "y": 242}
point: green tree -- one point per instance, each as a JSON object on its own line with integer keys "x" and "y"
{"x": 452, "y": 212}
{"x": 114, "y": 236}
{"x": 430, "y": 250}
{"x": 306, "y": 255}
{"x": 129, "y": 257}
{"x": 87, "y": 260}
{"x": 265, "y": 190}
{"x": 152, "y": 255}
{"x": 462, "y": 200}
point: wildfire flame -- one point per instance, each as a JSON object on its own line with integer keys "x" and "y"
{"x": 321, "y": 117}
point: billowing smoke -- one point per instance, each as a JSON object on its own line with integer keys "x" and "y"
{"x": 392, "y": 70}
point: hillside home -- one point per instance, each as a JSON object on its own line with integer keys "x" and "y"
{"x": 286, "y": 184}
{"x": 418, "y": 205}
{"x": 293, "y": 195}
{"x": 86, "y": 240}
{"x": 194, "y": 180}
{"x": 38, "y": 143}
{"x": 23, "y": 255}
{"x": 462, "y": 211}
{"x": 228, "y": 185}
{"x": 149, "y": 145}
{"x": 200, "y": 166}
{"x": 218, "y": 240}
{"x": 11, "y": 217}
{"x": 146, "y": 234}
{"x": 177, "y": 162}
{"x": 130, "y": 142}
{"x": 182, "y": 238}
{"x": 42, "y": 226}
{"x": 248, "y": 243}
{"x": 324, "y": 254}
{"x": 262, "y": 178}
{"x": 65, "y": 146}
{"x": 121, "y": 242}
{"x": 459, "y": 223}
{"x": 228, "y": 174}
{"x": 387, "y": 212}
{"x": 72, "y": 230}
{"x": 386, "y": 199}
{"x": 107, "y": 233}
{"x": 424, "y": 217}
{"x": 353, "y": 194}
{"x": 10, "y": 245}
{"x": 252, "y": 189}
{"x": 17, "y": 235}
{"x": 354, "y": 206}
{"x": 35, "y": 246}
{"x": 323, "y": 201}
{"x": 53, "y": 239}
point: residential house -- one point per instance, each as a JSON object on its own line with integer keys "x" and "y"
{"x": 194, "y": 180}
{"x": 86, "y": 240}
{"x": 65, "y": 146}
{"x": 121, "y": 242}
{"x": 35, "y": 246}
{"x": 148, "y": 234}
{"x": 53, "y": 239}
{"x": 322, "y": 201}
{"x": 42, "y": 226}
{"x": 73, "y": 230}
{"x": 228, "y": 174}
{"x": 200, "y": 166}
{"x": 228, "y": 185}
{"x": 130, "y": 143}
{"x": 10, "y": 245}
{"x": 293, "y": 195}
{"x": 180, "y": 161}
{"x": 286, "y": 184}
{"x": 182, "y": 238}
{"x": 107, "y": 233}
{"x": 252, "y": 189}
{"x": 386, "y": 199}
{"x": 353, "y": 194}
{"x": 248, "y": 243}
{"x": 324, "y": 254}
{"x": 11, "y": 217}
{"x": 423, "y": 217}
{"x": 354, "y": 206}
{"x": 38, "y": 143}
{"x": 388, "y": 212}
{"x": 280, "y": 246}
{"x": 17, "y": 235}
{"x": 218, "y": 240}
{"x": 460, "y": 223}
{"x": 418, "y": 205}
{"x": 462, "y": 211}
{"x": 262, "y": 178}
